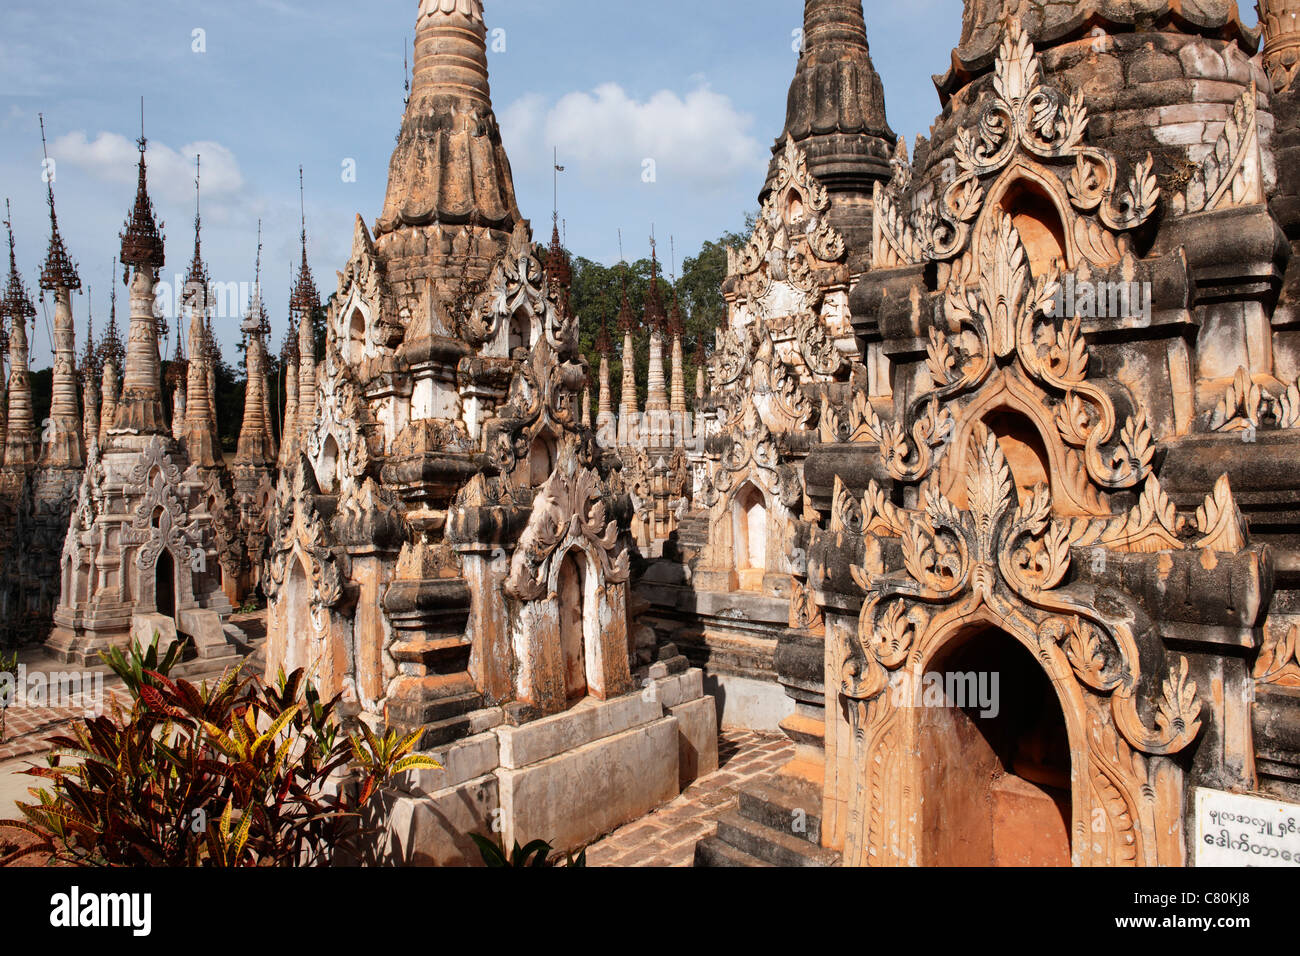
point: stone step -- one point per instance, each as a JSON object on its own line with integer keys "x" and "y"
{"x": 785, "y": 806}
{"x": 713, "y": 852}
{"x": 415, "y": 714}
{"x": 773, "y": 846}
{"x": 445, "y": 731}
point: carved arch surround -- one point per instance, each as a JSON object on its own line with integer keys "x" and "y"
{"x": 1003, "y": 566}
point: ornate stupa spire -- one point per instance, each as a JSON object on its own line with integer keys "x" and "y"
{"x": 256, "y": 437}
{"x": 111, "y": 356}
{"x": 140, "y": 410}
{"x": 88, "y": 374}
{"x": 604, "y": 405}
{"x": 449, "y": 169}
{"x": 304, "y": 304}
{"x": 627, "y": 322}
{"x": 289, "y": 367}
{"x": 200, "y": 436}
{"x": 676, "y": 328}
{"x": 178, "y": 370}
{"x": 20, "y": 436}
{"x": 835, "y": 113}
{"x": 657, "y": 320}
{"x": 558, "y": 269}
{"x": 61, "y": 445}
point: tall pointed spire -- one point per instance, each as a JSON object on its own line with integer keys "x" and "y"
{"x": 20, "y": 437}
{"x": 289, "y": 369}
{"x": 656, "y": 320}
{"x": 836, "y": 113}
{"x": 604, "y": 404}
{"x": 628, "y": 404}
{"x": 304, "y": 304}
{"x": 111, "y": 356}
{"x": 88, "y": 374}
{"x": 449, "y": 169}
{"x": 61, "y": 445}
{"x": 256, "y": 438}
{"x": 676, "y": 328}
{"x": 701, "y": 373}
{"x": 200, "y": 434}
{"x": 140, "y": 410}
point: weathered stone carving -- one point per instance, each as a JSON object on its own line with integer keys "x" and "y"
{"x": 1023, "y": 119}
{"x": 569, "y": 510}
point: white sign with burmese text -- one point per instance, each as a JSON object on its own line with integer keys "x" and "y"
{"x": 1233, "y": 829}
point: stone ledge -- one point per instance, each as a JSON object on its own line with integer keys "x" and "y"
{"x": 589, "y": 721}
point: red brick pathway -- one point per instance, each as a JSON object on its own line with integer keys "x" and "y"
{"x": 28, "y": 729}
{"x": 667, "y": 836}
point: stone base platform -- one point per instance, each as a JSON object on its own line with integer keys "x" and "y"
{"x": 566, "y": 779}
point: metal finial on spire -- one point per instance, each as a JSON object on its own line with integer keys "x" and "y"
{"x": 16, "y": 306}
{"x": 196, "y": 293}
{"x": 111, "y": 347}
{"x": 90, "y": 369}
{"x": 142, "y": 238}
{"x": 655, "y": 317}
{"x": 305, "y": 299}
{"x": 256, "y": 322}
{"x": 58, "y": 272}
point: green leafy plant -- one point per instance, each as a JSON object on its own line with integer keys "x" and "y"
{"x": 535, "y": 854}
{"x": 241, "y": 773}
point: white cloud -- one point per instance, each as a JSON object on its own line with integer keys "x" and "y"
{"x": 699, "y": 141}
{"x": 111, "y": 157}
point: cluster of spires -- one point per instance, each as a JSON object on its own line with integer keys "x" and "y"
{"x": 120, "y": 384}
{"x": 663, "y": 394}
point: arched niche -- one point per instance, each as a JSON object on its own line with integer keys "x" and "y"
{"x": 356, "y": 336}
{"x": 571, "y": 594}
{"x": 749, "y": 536}
{"x": 541, "y": 460}
{"x": 296, "y": 597}
{"x": 793, "y": 208}
{"x": 1023, "y": 448}
{"x": 327, "y": 472}
{"x": 520, "y": 333}
{"x": 995, "y": 759}
{"x": 1041, "y": 214}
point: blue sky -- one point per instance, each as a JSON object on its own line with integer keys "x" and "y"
{"x": 697, "y": 85}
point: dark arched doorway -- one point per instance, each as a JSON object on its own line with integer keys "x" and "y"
{"x": 571, "y": 593}
{"x": 995, "y": 758}
{"x": 165, "y": 584}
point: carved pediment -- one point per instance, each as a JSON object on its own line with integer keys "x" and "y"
{"x": 570, "y": 509}
{"x": 794, "y": 251}
{"x": 1026, "y": 129}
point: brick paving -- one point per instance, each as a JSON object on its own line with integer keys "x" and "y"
{"x": 667, "y": 836}
{"x": 28, "y": 729}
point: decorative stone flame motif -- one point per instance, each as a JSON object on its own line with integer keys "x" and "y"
{"x": 751, "y": 454}
{"x": 1245, "y": 406}
{"x": 793, "y": 241}
{"x": 570, "y": 508}
{"x": 1023, "y": 117}
{"x": 1001, "y": 315}
{"x": 1231, "y": 174}
{"x": 1012, "y": 562}
{"x": 161, "y": 521}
